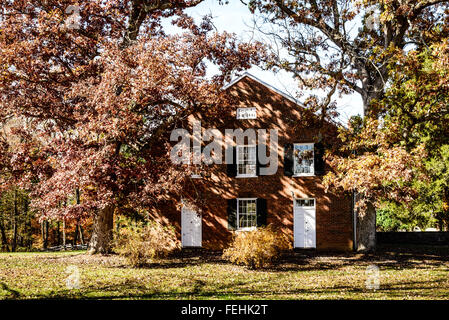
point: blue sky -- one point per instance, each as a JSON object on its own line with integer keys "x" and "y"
{"x": 235, "y": 17}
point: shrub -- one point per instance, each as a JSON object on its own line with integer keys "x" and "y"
{"x": 144, "y": 242}
{"x": 258, "y": 248}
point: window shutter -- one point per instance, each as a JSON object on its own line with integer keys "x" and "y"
{"x": 288, "y": 159}
{"x": 231, "y": 168}
{"x": 318, "y": 160}
{"x": 261, "y": 207}
{"x": 232, "y": 214}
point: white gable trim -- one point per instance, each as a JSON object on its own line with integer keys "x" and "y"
{"x": 249, "y": 75}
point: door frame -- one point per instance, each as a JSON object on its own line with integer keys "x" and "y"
{"x": 200, "y": 231}
{"x": 314, "y": 210}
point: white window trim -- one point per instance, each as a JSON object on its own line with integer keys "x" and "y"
{"x": 310, "y": 174}
{"x": 239, "y": 175}
{"x": 312, "y": 207}
{"x": 246, "y": 176}
{"x": 238, "y": 216}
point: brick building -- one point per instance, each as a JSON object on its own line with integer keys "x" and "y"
{"x": 236, "y": 197}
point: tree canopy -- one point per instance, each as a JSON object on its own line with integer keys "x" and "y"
{"x": 400, "y": 159}
{"x": 98, "y": 99}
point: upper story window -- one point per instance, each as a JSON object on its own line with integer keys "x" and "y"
{"x": 303, "y": 155}
{"x": 246, "y": 113}
{"x": 246, "y": 214}
{"x": 246, "y": 161}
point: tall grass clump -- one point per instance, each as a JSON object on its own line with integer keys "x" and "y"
{"x": 144, "y": 242}
{"x": 257, "y": 248}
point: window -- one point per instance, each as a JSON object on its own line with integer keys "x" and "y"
{"x": 246, "y": 113}
{"x": 305, "y": 202}
{"x": 303, "y": 159}
{"x": 246, "y": 161}
{"x": 246, "y": 214}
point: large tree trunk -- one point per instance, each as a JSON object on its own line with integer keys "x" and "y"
{"x": 366, "y": 229}
{"x": 366, "y": 221}
{"x": 101, "y": 239}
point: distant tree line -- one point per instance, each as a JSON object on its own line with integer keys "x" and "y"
{"x": 22, "y": 230}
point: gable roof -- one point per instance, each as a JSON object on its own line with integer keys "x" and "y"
{"x": 249, "y": 75}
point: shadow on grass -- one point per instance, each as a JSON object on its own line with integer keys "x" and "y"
{"x": 404, "y": 257}
{"x": 12, "y": 294}
{"x": 393, "y": 257}
{"x": 62, "y": 255}
{"x": 187, "y": 258}
{"x": 192, "y": 288}
{"x": 232, "y": 291}
{"x": 197, "y": 288}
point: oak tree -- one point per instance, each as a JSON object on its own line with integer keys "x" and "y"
{"x": 100, "y": 92}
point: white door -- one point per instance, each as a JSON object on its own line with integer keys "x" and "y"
{"x": 304, "y": 223}
{"x": 190, "y": 227}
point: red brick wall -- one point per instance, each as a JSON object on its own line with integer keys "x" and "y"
{"x": 295, "y": 125}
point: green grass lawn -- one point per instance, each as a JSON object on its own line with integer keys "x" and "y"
{"x": 403, "y": 275}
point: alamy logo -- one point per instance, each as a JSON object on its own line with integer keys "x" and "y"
{"x": 372, "y": 19}
{"x": 74, "y": 18}
{"x": 189, "y": 149}
{"x": 73, "y": 280}
{"x": 372, "y": 277}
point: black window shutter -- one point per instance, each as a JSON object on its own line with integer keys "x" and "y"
{"x": 231, "y": 168}
{"x": 288, "y": 159}
{"x": 318, "y": 160}
{"x": 232, "y": 214}
{"x": 261, "y": 207}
